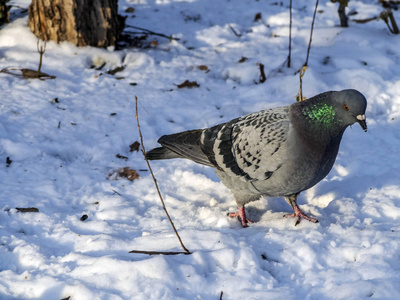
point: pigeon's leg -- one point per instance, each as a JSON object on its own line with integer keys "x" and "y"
{"x": 241, "y": 215}
{"x": 292, "y": 200}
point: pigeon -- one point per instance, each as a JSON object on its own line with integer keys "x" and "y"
{"x": 277, "y": 152}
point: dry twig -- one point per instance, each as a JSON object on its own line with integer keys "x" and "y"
{"x": 263, "y": 77}
{"x": 159, "y": 194}
{"x": 387, "y": 16}
{"x": 41, "y": 50}
{"x": 234, "y": 31}
{"x": 290, "y": 36}
{"x": 149, "y": 32}
{"x": 29, "y": 73}
{"x": 305, "y": 66}
{"x": 311, "y": 33}
{"x": 160, "y": 252}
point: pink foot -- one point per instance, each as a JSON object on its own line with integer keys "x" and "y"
{"x": 241, "y": 215}
{"x": 299, "y": 214}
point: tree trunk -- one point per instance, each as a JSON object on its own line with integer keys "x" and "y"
{"x": 342, "y": 16}
{"x": 81, "y": 22}
{"x": 4, "y": 13}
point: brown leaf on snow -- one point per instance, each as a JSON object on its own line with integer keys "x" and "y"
{"x": 134, "y": 147}
{"x": 257, "y": 17}
{"x": 204, "y": 68}
{"x": 127, "y": 173}
{"x": 188, "y": 84}
{"x": 28, "y": 73}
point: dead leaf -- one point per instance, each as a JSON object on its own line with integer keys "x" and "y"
{"x": 257, "y": 17}
{"x": 29, "y": 74}
{"x": 134, "y": 147}
{"x": 188, "y": 84}
{"x": 204, "y": 68}
{"x": 128, "y": 173}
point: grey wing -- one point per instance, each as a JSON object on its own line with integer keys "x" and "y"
{"x": 258, "y": 145}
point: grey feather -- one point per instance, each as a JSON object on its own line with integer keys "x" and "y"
{"x": 162, "y": 153}
{"x": 184, "y": 144}
{"x": 275, "y": 152}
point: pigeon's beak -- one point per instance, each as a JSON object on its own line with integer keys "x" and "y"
{"x": 361, "y": 121}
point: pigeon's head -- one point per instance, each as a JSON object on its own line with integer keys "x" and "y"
{"x": 350, "y": 106}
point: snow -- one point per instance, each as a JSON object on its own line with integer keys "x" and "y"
{"x": 63, "y": 157}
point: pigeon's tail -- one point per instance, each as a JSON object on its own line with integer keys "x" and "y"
{"x": 185, "y": 144}
{"x": 162, "y": 153}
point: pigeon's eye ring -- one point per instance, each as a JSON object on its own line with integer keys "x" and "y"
{"x": 346, "y": 107}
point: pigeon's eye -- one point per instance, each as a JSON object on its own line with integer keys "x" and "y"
{"x": 346, "y": 107}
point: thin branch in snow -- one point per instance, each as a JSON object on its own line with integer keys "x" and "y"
{"x": 387, "y": 16}
{"x": 147, "y": 31}
{"x": 312, "y": 29}
{"x": 263, "y": 78}
{"x": 305, "y": 66}
{"x": 115, "y": 192}
{"x": 41, "y": 50}
{"x": 159, "y": 194}
{"x": 290, "y": 36}
{"x": 234, "y": 31}
{"x": 160, "y": 252}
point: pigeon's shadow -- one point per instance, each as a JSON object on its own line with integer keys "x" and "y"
{"x": 256, "y": 210}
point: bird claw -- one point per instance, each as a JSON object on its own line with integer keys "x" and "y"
{"x": 241, "y": 215}
{"x": 298, "y": 214}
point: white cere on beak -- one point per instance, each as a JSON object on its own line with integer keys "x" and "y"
{"x": 361, "y": 117}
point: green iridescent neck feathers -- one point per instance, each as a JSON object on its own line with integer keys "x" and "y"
{"x": 322, "y": 114}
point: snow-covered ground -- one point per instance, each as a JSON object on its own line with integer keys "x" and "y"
{"x": 63, "y": 159}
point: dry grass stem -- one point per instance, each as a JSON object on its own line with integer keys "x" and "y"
{"x": 159, "y": 194}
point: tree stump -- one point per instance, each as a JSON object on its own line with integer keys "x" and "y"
{"x": 81, "y": 22}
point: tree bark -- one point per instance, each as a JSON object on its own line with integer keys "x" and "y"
{"x": 4, "y": 13}
{"x": 342, "y": 16}
{"x": 81, "y": 22}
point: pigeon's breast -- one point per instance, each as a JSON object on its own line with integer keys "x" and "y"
{"x": 301, "y": 168}
{"x": 295, "y": 175}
